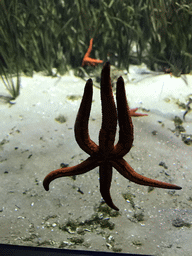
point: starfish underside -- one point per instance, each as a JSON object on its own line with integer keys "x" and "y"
{"x": 106, "y": 155}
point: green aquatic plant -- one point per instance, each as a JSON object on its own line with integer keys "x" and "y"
{"x": 9, "y": 50}
{"x": 13, "y": 89}
{"x": 171, "y": 35}
{"x": 40, "y": 36}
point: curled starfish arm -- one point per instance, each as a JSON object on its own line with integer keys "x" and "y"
{"x": 125, "y": 123}
{"x": 105, "y": 174}
{"x": 133, "y": 112}
{"x": 127, "y": 171}
{"x": 109, "y": 113}
{"x": 81, "y": 123}
{"x": 81, "y": 168}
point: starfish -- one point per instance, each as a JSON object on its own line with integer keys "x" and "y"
{"x": 87, "y": 60}
{"x": 106, "y": 155}
{"x": 132, "y": 112}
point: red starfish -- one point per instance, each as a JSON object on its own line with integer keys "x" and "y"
{"x": 106, "y": 155}
{"x": 133, "y": 112}
{"x": 87, "y": 60}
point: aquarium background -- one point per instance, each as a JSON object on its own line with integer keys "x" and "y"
{"x": 41, "y": 44}
{"x": 55, "y": 34}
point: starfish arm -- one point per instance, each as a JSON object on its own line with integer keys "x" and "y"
{"x": 87, "y": 60}
{"x": 109, "y": 113}
{"x": 127, "y": 171}
{"x": 105, "y": 173}
{"x": 88, "y": 52}
{"x": 125, "y": 123}
{"x": 81, "y": 123}
{"x": 91, "y": 61}
{"x": 133, "y": 112}
{"x": 90, "y": 48}
{"x": 81, "y": 168}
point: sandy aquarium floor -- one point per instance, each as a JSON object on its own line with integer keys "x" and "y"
{"x": 37, "y": 135}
